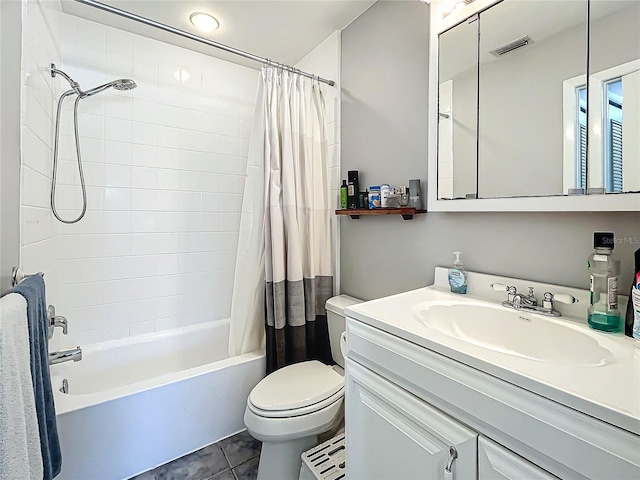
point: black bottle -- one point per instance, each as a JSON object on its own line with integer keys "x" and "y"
{"x": 628, "y": 318}
{"x": 353, "y": 188}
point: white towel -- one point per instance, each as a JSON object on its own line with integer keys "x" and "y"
{"x": 20, "y": 455}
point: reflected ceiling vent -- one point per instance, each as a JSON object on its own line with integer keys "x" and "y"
{"x": 511, "y": 46}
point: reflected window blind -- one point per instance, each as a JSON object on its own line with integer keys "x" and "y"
{"x": 582, "y": 166}
{"x": 615, "y": 156}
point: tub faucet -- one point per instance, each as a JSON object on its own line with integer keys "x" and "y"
{"x": 74, "y": 354}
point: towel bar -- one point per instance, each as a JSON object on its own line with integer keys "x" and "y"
{"x": 17, "y": 276}
{"x": 54, "y": 320}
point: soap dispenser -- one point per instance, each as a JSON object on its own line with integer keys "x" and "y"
{"x": 458, "y": 276}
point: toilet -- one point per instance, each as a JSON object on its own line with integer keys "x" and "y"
{"x": 289, "y": 408}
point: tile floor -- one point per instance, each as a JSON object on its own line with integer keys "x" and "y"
{"x": 234, "y": 458}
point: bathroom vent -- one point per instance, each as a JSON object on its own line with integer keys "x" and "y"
{"x": 511, "y": 46}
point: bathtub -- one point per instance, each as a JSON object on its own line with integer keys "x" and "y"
{"x": 137, "y": 403}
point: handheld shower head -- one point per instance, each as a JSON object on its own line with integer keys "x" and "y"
{"x": 124, "y": 84}
{"x": 121, "y": 84}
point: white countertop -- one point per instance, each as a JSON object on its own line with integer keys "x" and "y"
{"x": 609, "y": 392}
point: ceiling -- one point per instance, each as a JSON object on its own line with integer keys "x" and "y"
{"x": 283, "y": 31}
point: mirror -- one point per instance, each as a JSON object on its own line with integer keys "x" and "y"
{"x": 531, "y": 123}
{"x": 614, "y": 96}
{"x": 528, "y": 49}
{"x": 458, "y": 120}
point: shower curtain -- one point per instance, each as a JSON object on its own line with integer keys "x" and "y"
{"x": 284, "y": 268}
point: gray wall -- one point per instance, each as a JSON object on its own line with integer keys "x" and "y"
{"x": 384, "y": 136}
{"x": 10, "y": 54}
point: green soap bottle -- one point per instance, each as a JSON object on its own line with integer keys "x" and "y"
{"x": 343, "y": 195}
{"x": 603, "y": 313}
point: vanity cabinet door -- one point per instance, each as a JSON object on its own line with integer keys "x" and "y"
{"x": 391, "y": 434}
{"x": 497, "y": 463}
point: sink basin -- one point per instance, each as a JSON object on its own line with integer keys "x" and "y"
{"x": 517, "y": 333}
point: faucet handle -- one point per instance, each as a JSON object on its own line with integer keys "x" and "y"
{"x": 56, "y": 321}
{"x": 501, "y": 287}
{"x": 531, "y": 291}
{"x": 549, "y": 298}
{"x": 564, "y": 298}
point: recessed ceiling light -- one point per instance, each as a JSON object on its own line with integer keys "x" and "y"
{"x": 204, "y": 22}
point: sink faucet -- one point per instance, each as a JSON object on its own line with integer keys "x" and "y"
{"x": 519, "y": 301}
{"x": 74, "y": 354}
{"x": 524, "y": 301}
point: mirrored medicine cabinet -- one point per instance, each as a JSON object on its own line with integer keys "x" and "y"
{"x": 537, "y": 105}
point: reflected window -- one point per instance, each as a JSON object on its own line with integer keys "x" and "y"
{"x": 581, "y": 138}
{"x": 613, "y": 135}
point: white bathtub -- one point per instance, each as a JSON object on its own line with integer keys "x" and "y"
{"x": 137, "y": 403}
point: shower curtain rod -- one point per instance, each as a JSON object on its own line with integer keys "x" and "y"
{"x": 211, "y": 43}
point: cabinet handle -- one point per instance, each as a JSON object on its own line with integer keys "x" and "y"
{"x": 448, "y": 472}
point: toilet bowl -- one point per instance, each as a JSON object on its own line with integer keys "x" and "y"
{"x": 289, "y": 408}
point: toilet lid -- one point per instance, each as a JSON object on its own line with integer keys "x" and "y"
{"x": 296, "y": 386}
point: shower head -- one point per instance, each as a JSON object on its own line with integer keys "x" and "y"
{"x": 124, "y": 84}
{"x": 121, "y": 84}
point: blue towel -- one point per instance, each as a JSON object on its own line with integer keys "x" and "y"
{"x": 32, "y": 289}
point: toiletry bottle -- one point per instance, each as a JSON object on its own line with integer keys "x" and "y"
{"x": 635, "y": 301}
{"x": 414, "y": 194}
{"x": 458, "y": 276}
{"x": 343, "y": 195}
{"x": 353, "y": 188}
{"x": 603, "y": 313}
{"x": 630, "y": 314}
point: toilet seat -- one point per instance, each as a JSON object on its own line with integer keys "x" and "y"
{"x": 296, "y": 412}
{"x": 297, "y": 389}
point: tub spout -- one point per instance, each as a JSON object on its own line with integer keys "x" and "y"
{"x": 74, "y": 354}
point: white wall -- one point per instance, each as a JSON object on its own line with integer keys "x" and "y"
{"x": 10, "y": 59}
{"x": 165, "y": 166}
{"x": 324, "y": 60}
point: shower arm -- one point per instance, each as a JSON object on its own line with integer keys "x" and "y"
{"x": 75, "y": 85}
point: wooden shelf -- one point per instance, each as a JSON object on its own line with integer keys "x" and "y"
{"x": 406, "y": 212}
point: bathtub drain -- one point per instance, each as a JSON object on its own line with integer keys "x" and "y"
{"x": 65, "y": 386}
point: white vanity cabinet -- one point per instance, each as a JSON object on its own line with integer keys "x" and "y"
{"x": 407, "y": 403}
{"x": 395, "y": 435}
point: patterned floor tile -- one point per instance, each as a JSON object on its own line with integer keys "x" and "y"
{"x": 240, "y": 448}
{"x": 247, "y": 470}
{"x": 200, "y": 465}
{"x": 226, "y": 475}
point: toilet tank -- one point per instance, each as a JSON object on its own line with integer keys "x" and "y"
{"x": 336, "y": 322}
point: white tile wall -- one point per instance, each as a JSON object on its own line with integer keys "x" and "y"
{"x": 38, "y": 230}
{"x": 164, "y": 165}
